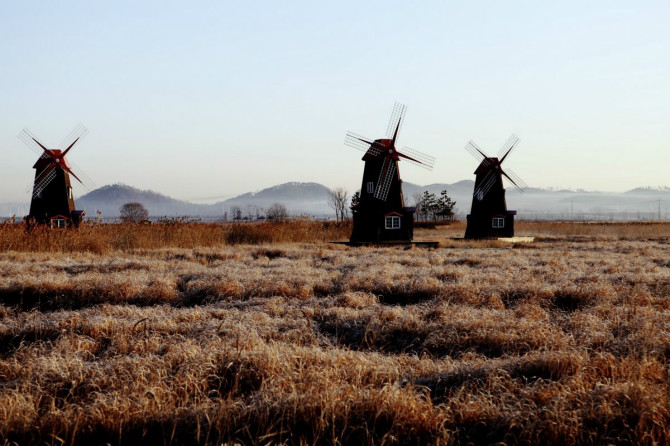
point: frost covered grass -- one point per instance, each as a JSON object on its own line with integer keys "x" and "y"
{"x": 562, "y": 341}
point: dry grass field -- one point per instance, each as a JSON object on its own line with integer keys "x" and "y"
{"x": 265, "y": 334}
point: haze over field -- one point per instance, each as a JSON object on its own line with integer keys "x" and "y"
{"x": 209, "y": 101}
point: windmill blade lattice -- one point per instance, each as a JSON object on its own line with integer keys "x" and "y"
{"x": 487, "y": 182}
{"x": 84, "y": 179}
{"x": 32, "y": 186}
{"x": 43, "y": 182}
{"x": 384, "y": 151}
{"x": 474, "y": 150}
{"x": 30, "y": 140}
{"x": 397, "y": 116}
{"x": 385, "y": 179}
{"x": 49, "y": 173}
{"x": 509, "y": 145}
{"x": 520, "y": 184}
{"x": 361, "y": 143}
{"x": 494, "y": 166}
{"x": 420, "y": 159}
{"x": 78, "y": 133}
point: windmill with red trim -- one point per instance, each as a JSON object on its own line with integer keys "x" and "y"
{"x": 52, "y": 200}
{"x": 381, "y": 215}
{"x": 489, "y": 216}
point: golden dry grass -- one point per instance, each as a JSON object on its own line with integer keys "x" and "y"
{"x": 196, "y": 337}
{"x": 105, "y": 238}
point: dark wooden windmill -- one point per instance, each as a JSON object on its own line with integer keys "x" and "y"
{"x": 489, "y": 216}
{"x": 380, "y": 215}
{"x": 52, "y": 199}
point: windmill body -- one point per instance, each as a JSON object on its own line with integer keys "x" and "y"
{"x": 378, "y": 220}
{"x": 489, "y": 216}
{"x": 52, "y": 197}
{"x": 381, "y": 215}
{"x": 54, "y": 201}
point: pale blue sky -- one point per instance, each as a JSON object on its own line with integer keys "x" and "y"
{"x": 205, "y": 100}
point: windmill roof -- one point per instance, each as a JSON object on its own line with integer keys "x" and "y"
{"x": 377, "y": 150}
{"x": 44, "y": 160}
{"x": 486, "y": 165}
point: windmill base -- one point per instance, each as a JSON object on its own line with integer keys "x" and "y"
{"x": 499, "y": 239}
{"x": 373, "y": 225}
{"x": 423, "y": 244}
{"x": 516, "y": 239}
{"x": 68, "y": 220}
{"x": 494, "y": 225}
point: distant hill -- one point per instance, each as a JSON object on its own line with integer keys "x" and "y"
{"x": 110, "y": 198}
{"x": 299, "y": 198}
{"x": 648, "y": 190}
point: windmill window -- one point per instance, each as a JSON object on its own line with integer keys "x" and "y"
{"x": 69, "y": 193}
{"x": 392, "y": 222}
{"x": 498, "y": 222}
{"x": 58, "y": 223}
{"x": 370, "y": 187}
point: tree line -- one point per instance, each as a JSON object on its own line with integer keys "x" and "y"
{"x": 430, "y": 207}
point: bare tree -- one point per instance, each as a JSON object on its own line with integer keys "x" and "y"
{"x": 134, "y": 212}
{"x": 417, "y": 203}
{"x": 236, "y": 212}
{"x": 277, "y": 212}
{"x": 337, "y": 200}
{"x": 259, "y": 212}
{"x": 252, "y": 212}
{"x": 355, "y": 202}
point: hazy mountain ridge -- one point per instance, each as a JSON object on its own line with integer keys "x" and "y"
{"x": 312, "y": 199}
{"x": 299, "y": 198}
{"x": 109, "y": 199}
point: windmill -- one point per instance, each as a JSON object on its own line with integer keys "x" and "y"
{"x": 381, "y": 215}
{"x": 489, "y": 216}
{"x": 52, "y": 201}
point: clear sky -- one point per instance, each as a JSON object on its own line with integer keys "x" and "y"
{"x": 209, "y": 99}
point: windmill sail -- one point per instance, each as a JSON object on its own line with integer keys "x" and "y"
{"x": 386, "y": 177}
{"x": 52, "y": 200}
{"x": 396, "y": 120}
{"x": 57, "y": 158}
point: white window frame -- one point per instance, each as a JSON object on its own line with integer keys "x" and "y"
{"x": 498, "y": 222}
{"x": 370, "y": 187}
{"x": 392, "y": 222}
{"x": 58, "y": 223}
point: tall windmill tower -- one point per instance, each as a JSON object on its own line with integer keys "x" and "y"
{"x": 52, "y": 200}
{"x": 381, "y": 215}
{"x": 489, "y": 216}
